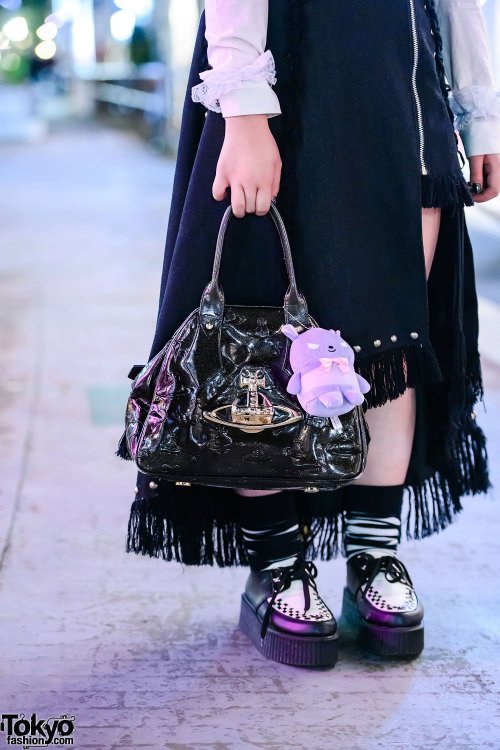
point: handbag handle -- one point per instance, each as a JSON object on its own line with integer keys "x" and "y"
{"x": 212, "y": 300}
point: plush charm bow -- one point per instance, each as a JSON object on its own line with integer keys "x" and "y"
{"x": 341, "y": 362}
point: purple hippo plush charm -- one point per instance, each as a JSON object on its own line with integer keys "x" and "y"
{"x": 323, "y": 377}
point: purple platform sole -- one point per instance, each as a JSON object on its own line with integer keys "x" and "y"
{"x": 299, "y": 651}
{"x": 384, "y": 641}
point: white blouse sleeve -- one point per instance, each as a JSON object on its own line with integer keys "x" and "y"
{"x": 239, "y": 81}
{"x": 474, "y": 98}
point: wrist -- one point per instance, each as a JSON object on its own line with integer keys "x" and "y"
{"x": 237, "y": 122}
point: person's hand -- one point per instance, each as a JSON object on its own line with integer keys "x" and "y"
{"x": 249, "y": 164}
{"x": 485, "y": 170}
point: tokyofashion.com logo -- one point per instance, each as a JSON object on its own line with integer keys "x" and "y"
{"x": 25, "y": 732}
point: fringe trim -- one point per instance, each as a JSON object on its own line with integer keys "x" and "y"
{"x": 182, "y": 524}
{"x": 390, "y": 373}
{"x": 434, "y": 503}
{"x": 444, "y": 191}
{"x": 123, "y": 451}
{"x": 471, "y": 460}
{"x": 474, "y": 379}
{"x": 155, "y": 530}
{"x": 170, "y": 531}
{"x": 432, "y": 507}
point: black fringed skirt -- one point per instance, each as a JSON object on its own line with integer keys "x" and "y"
{"x": 366, "y": 140}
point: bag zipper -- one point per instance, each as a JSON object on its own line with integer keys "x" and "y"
{"x": 423, "y": 167}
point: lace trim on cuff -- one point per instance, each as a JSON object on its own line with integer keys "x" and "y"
{"x": 472, "y": 103}
{"x": 218, "y": 82}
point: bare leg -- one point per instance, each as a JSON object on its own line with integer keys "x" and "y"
{"x": 392, "y": 425}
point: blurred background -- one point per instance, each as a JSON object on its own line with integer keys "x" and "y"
{"x": 122, "y": 62}
{"x": 143, "y": 653}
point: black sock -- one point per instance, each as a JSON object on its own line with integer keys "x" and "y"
{"x": 372, "y": 519}
{"x": 270, "y": 529}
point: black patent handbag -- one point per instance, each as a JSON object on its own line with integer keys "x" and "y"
{"x": 212, "y": 407}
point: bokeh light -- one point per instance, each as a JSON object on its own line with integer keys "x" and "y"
{"x": 47, "y": 31}
{"x": 16, "y": 29}
{"x": 45, "y": 50}
{"x": 121, "y": 24}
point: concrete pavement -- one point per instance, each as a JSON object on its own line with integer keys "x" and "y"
{"x": 132, "y": 647}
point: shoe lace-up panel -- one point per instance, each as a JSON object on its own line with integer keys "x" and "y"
{"x": 295, "y": 594}
{"x": 386, "y": 583}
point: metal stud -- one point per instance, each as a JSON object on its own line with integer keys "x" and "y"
{"x": 473, "y": 415}
{"x": 311, "y": 489}
{"x": 136, "y": 490}
{"x": 377, "y": 342}
{"x": 394, "y": 338}
{"x": 183, "y": 484}
{"x": 414, "y": 335}
{"x": 357, "y": 348}
{"x": 153, "y": 485}
{"x": 209, "y": 324}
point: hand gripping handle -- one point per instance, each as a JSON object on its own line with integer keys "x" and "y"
{"x": 212, "y": 300}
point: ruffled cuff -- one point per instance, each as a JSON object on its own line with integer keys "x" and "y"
{"x": 218, "y": 82}
{"x": 473, "y": 103}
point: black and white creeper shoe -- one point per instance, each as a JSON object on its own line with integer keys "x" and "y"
{"x": 381, "y": 607}
{"x": 285, "y": 617}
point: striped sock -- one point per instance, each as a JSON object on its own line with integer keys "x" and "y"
{"x": 270, "y": 530}
{"x": 365, "y": 533}
{"x": 278, "y": 544}
{"x": 373, "y": 519}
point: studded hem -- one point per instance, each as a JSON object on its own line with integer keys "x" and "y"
{"x": 391, "y": 372}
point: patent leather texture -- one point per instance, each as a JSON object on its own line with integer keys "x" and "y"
{"x": 212, "y": 406}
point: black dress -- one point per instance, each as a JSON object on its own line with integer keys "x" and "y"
{"x": 366, "y": 139}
